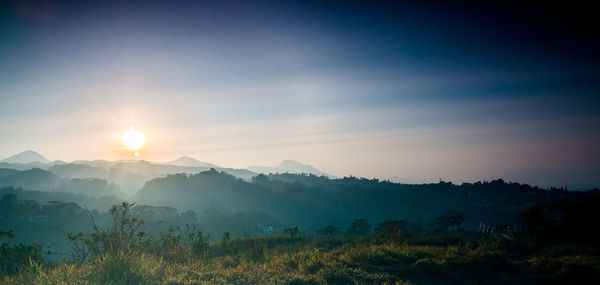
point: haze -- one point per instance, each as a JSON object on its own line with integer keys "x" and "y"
{"x": 411, "y": 93}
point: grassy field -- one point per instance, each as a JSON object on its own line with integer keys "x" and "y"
{"x": 433, "y": 258}
{"x": 124, "y": 254}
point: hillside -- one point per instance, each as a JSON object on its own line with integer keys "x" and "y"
{"x": 290, "y": 166}
{"x": 129, "y": 175}
{"x": 26, "y": 157}
{"x": 190, "y": 162}
{"x": 42, "y": 180}
{"x": 308, "y": 201}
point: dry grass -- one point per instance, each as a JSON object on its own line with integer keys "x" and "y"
{"x": 322, "y": 261}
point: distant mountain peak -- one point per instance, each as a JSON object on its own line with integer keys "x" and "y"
{"x": 186, "y": 158}
{"x": 290, "y": 166}
{"x": 290, "y": 162}
{"x": 296, "y": 164}
{"x": 26, "y": 157}
{"x": 190, "y": 162}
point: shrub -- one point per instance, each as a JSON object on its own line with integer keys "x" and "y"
{"x": 580, "y": 269}
{"x": 359, "y": 227}
{"x": 292, "y": 232}
{"x": 177, "y": 245}
{"x": 123, "y": 238}
{"x": 450, "y": 221}
{"x": 125, "y": 269}
{"x": 328, "y": 231}
{"x": 17, "y": 258}
{"x": 255, "y": 249}
{"x": 230, "y": 261}
{"x": 199, "y": 244}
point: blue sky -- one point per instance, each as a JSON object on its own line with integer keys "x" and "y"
{"x": 416, "y": 91}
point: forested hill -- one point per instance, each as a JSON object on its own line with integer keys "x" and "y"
{"x": 311, "y": 202}
{"x": 41, "y": 180}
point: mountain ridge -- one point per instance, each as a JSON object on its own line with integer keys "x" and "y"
{"x": 190, "y": 162}
{"x": 25, "y": 157}
{"x": 289, "y": 166}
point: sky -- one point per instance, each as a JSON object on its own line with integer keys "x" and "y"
{"x": 414, "y": 91}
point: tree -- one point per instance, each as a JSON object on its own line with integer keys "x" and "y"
{"x": 123, "y": 237}
{"x": 18, "y": 257}
{"x": 359, "y": 227}
{"x": 292, "y": 232}
{"x": 8, "y": 204}
{"x": 8, "y": 234}
{"x": 450, "y": 221}
{"x": 261, "y": 178}
{"x": 189, "y": 217}
{"x": 391, "y": 228}
{"x": 328, "y": 231}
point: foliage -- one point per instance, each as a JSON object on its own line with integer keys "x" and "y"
{"x": 359, "y": 227}
{"x": 226, "y": 238}
{"x": 254, "y": 249}
{"x": 450, "y": 221}
{"x": 177, "y": 244}
{"x": 10, "y": 234}
{"x": 122, "y": 238}
{"x": 282, "y": 197}
{"x": 566, "y": 220}
{"x": 199, "y": 244}
{"x": 328, "y": 231}
{"x": 569, "y": 269}
{"x": 557, "y": 242}
{"x": 292, "y": 232}
{"x": 356, "y": 260}
{"x": 392, "y": 229}
{"x": 18, "y": 257}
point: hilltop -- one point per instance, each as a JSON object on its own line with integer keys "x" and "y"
{"x": 28, "y": 156}
{"x": 290, "y": 166}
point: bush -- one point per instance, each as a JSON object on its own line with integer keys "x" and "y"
{"x": 328, "y": 231}
{"x": 125, "y": 269}
{"x": 177, "y": 245}
{"x": 580, "y": 269}
{"x": 359, "y": 227}
{"x": 17, "y": 258}
{"x": 199, "y": 244}
{"x": 123, "y": 238}
{"x": 292, "y": 232}
{"x": 255, "y": 249}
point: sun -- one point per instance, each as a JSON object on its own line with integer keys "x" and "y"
{"x": 133, "y": 139}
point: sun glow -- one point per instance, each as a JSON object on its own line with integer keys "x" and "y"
{"x": 133, "y": 139}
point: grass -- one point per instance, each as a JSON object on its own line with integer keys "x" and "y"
{"x": 331, "y": 260}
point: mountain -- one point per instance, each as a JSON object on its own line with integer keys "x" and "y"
{"x": 25, "y": 166}
{"x": 42, "y": 180}
{"x": 128, "y": 181}
{"x": 32, "y": 179}
{"x": 26, "y": 157}
{"x": 310, "y": 201}
{"x": 290, "y": 166}
{"x": 190, "y": 162}
{"x": 131, "y": 175}
{"x": 211, "y": 191}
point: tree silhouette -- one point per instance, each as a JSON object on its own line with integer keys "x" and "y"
{"x": 450, "y": 221}
{"x": 359, "y": 227}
